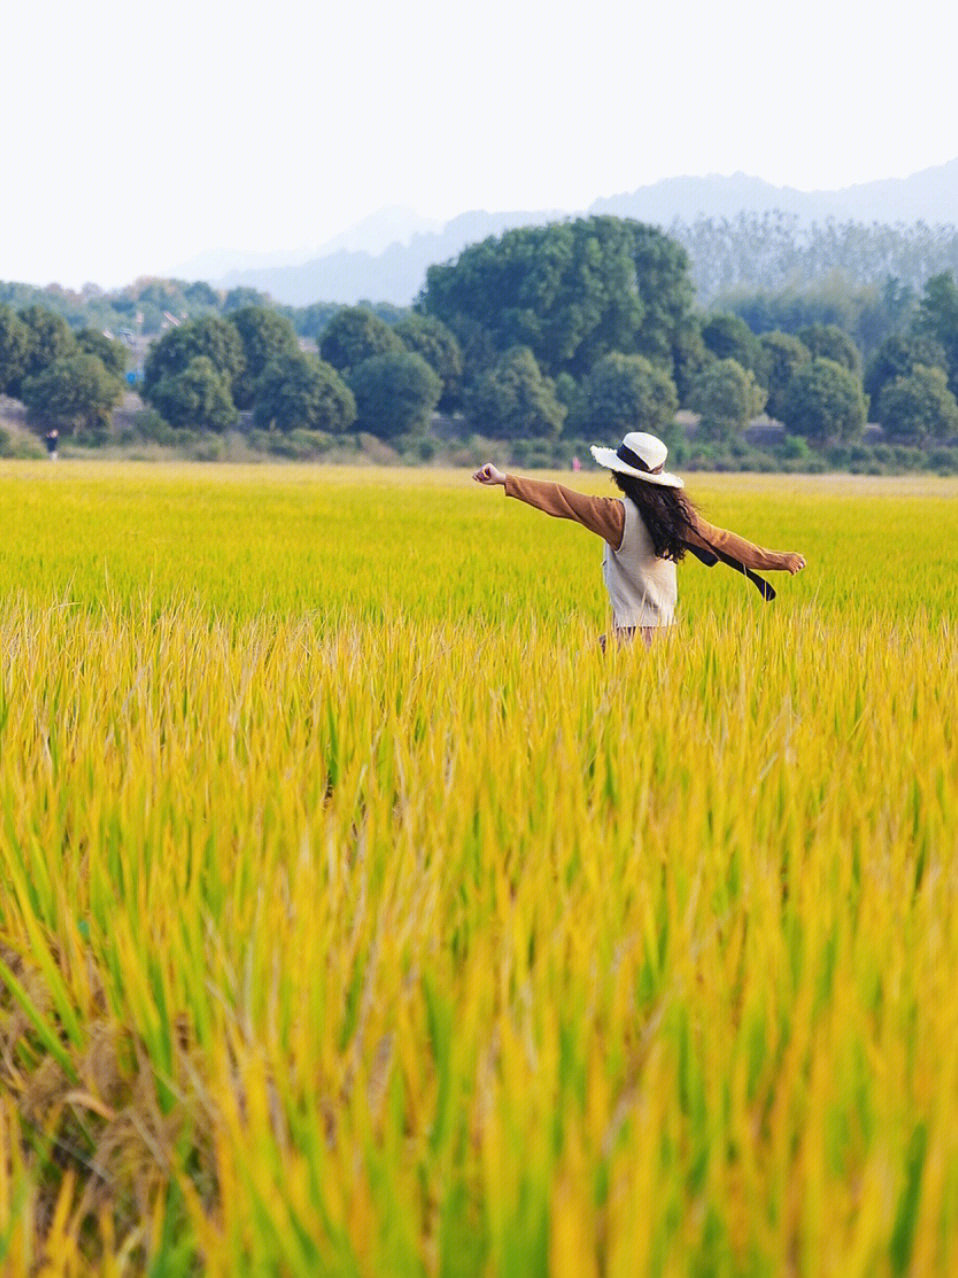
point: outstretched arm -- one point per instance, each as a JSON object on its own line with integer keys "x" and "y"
{"x": 707, "y": 537}
{"x": 604, "y": 516}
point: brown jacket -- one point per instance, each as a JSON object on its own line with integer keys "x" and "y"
{"x": 606, "y": 517}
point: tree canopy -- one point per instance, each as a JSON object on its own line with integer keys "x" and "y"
{"x": 74, "y": 392}
{"x": 14, "y": 348}
{"x": 209, "y": 337}
{"x": 355, "y": 334}
{"x": 395, "y": 394}
{"x": 569, "y": 292}
{"x": 197, "y": 396}
{"x": 918, "y": 406}
{"x": 265, "y": 336}
{"x": 824, "y": 402}
{"x": 623, "y": 393}
{"x": 781, "y": 355}
{"x": 726, "y": 396}
{"x": 514, "y": 400}
{"x": 297, "y": 391}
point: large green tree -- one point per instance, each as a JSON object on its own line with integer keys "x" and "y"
{"x": 198, "y": 396}
{"x": 355, "y": 334}
{"x": 113, "y": 354}
{"x": 395, "y": 394}
{"x": 937, "y": 318}
{"x": 623, "y": 393}
{"x": 209, "y": 337}
{"x": 50, "y": 338}
{"x": 297, "y": 390}
{"x": 514, "y": 400}
{"x": 824, "y": 402}
{"x": 14, "y": 348}
{"x": 727, "y": 336}
{"x": 74, "y": 392}
{"x": 828, "y": 341}
{"x": 781, "y": 356}
{"x": 917, "y": 407}
{"x": 727, "y": 397}
{"x": 436, "y": 343}
{"x": 266, "y": 336}
{"x": 899, "y": 356}
{"x": 570, "y": 292}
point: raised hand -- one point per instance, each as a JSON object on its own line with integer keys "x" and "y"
{"x": 489, "y": 474}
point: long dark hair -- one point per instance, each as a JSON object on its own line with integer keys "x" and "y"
{"x": 666, "y": 512}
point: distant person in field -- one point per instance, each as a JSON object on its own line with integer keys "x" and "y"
{"x": 646, "y": 532}
{"x": 52, "y": 439}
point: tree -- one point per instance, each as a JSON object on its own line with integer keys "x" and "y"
{"x": 427, "y": 336}
{"x": 727, "y": 336}
{"x": 355, "y": 334}
{"x": 209, "y": 337}
{"x": 937, "y": 318}
{"x": 395, "y": 394}
{"x": 828, "y": 341}
{"x": 781, "y": 356}
{"x": 899, "y": 356}
{"x": 727, "y": 397}
{"x": 50, "y": 338}
{"x": 824, "y": 402}
{"x": 623, "y": 393}
{"x": 112, "y": 354}
{"x": 689, "y": 355}
{"x": 14, "y": 349}
{"x": 197, "y": 396}
{"x": 570, "y": 292}
{"x": 75, "y": 392}
{"x": 513, "y": 400}
{"x": 239, "y": 298}
{"x": 298, "y": 390}
{"x": 918, "y": 406}
{"x": 266, "y": 337}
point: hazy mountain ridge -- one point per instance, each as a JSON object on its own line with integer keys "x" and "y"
{"x": 356, "y": 265}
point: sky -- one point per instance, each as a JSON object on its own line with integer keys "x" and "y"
{"x": 138, "y": 135}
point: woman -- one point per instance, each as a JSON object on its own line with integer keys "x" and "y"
{"x": 646, "y": 532}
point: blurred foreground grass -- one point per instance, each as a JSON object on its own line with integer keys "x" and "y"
{"x": 358, "y": 916}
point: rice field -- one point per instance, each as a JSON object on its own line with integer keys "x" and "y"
{"x": 358, "y": 916}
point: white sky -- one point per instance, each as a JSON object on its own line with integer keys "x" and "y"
{"x": 136, "y": 134}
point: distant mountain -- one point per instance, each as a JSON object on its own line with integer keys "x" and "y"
{"x": 930, "y": 196}
{"x": 385, "y": 258}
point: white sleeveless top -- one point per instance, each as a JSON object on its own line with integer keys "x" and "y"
{"x": 641, "y": 586}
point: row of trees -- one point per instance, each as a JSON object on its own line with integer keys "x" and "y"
{"x": 144, "y": 307}
{"x": 578, "y": 329}
{"x": 367, "y": 376}
{"x": 66, "y": 379}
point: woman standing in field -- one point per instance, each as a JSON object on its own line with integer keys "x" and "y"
{"x": 646, "y": 532}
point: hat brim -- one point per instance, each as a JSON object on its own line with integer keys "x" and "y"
{"x": 610, "y": 459}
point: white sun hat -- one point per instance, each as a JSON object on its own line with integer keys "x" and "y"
{"x": 640, "y": 455}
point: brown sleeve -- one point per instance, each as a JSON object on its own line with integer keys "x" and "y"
{"x": 708, "y": 537}
{"x": 602, "y": 515}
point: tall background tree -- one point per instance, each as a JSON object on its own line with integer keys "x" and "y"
{"x": 824, "y": 403}
{"x": 726, "y": 396}
{"x": 355, "y": 334}
{"x": 73, "y": 393}
{"x": 14, "y": 348}
{"x": 514, "y": 400}
{"x": 266, "y": 336}
{"x": 210, "y": 337}
{"x": 299, "y": 391}
{"x": 395, "y": 394}
{"x": 623, "y": 393}
{"x": 568, "y": 292}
